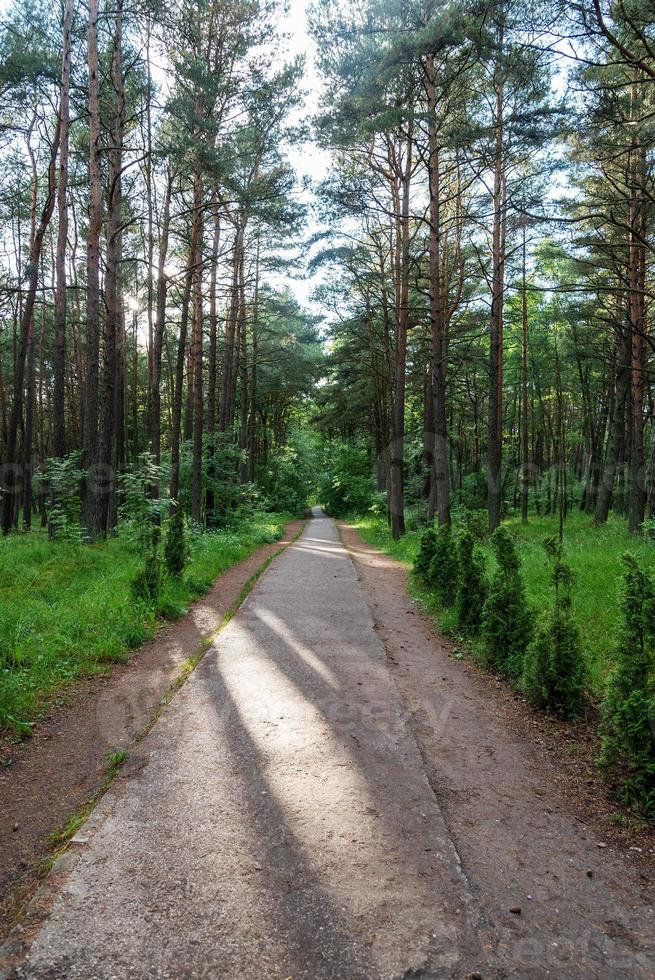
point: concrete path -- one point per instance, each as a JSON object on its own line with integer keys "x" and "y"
{"x": 277, "y": 821}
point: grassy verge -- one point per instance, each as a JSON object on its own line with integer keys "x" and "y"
{"x": 67, "y": 611}
{"x": 593, "y": 553}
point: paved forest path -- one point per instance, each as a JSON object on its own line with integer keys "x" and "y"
{"x": 278, "y": 822}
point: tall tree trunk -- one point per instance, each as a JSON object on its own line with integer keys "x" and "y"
{"x": 252, "y": 429}
{"x": 159, "y": 330}
{"x": 637, "y": 275}
{"x": 243, "y": 379}
{"x": 91, "y": 516}
{"x": 495, "y": 427}
{"x": 197, "y": 350}
{"x": 437, "y": 308}
{"x": 112, "y": 274}
{"x": 59, "y": 326}
{"x": 525, "y": 434}
{"x": 212, "y": 379}
{"x": 397, "y": 494}
{"x": 229, "y": 355}
{"x": 179, "y": 386}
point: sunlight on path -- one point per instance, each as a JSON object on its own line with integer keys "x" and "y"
{"x": 277, "y": 821}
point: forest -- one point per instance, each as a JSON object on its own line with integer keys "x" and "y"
{"x": 443, "y": 333}
{"x": 327, "y": 488}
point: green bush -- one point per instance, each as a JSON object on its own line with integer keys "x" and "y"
{"x": 553, "y": 673}
{"x": 146, "y": 584}
{"x": 506, "y": 617}
{"x": 175, "y": 547}
{"x": 471, "y": 587}
{"x": 442, "y": 572}
{"x": 425, "y": 553}
{"x": 628, "y": 716}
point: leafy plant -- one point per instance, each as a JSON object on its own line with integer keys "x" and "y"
{"x": 506, "y": 617}
{"x": 553, "y": 674}
{"x": 628, "y": 725}
{"x": 442, "y": 572}
{"x": 139, "y": 509}
{"x": 63, "y": 478}
{"x": 472, "y": 586}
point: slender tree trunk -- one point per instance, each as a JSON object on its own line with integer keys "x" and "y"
{"x": 197, "y": 350}
{"x": 179, "y": 386}
{"x": 252, "y": 431}
{"x": 91, "y": 517}
{"x": 397, "y": 495}
{"x": 59, "y": 326}
{"x": 229, "y": 356}
{"x": 495, "y": 428}
{"x": 212, "y": 380}
{"x": 243, "y": 379}
{"x": 525, "y": 434}
{"x": 637, "y": 493}
{"x": 437, "y": 308}
{"x": 159, "y": 330}
{"x": 112, "y": 285}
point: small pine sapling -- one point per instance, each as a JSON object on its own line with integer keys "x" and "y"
{"x": 627, "y": 756}
{"x": 472, "y": 587}
{"x": 425, "y": 553}
{"x": 553, "y": 674}
{"x": 146, "y": 583}
{"x": 442, "y": 573}
{"x": 506, "y": 616}
{"x": 175, "y": 547}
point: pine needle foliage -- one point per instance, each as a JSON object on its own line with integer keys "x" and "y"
{"x": 628, "y": 725}
{"x": 553, "y": 674}
{"x": 146, "y": 584}
{"x": 506, "y": 617}
{"x": 472, "y": 586}
{"x": 175, "y": 547}
{"x": 425, "y": 554}
{"x": 443, "y": 571}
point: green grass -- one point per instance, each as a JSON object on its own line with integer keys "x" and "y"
{"x": 67, "y": 611}
{"x": 594, "y": 555}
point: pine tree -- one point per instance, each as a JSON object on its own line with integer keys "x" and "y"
{"x": 628, "y": 712}
{"x": 471, "y": 586}
{"x": 506, "y": 617}
{"x": 553, "y": 672}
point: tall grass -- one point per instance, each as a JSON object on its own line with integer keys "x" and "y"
{"x": 67, "y": 610}
{"x": 594, "y": 554}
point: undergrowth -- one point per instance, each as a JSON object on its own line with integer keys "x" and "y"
{"x": 68, "y": 610}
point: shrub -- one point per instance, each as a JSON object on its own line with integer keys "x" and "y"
{"x": 628, "y": 724}
{"x": 471, "y": 587}
{"x": 506, "y": 618}
{"x": 175, "y": 548}
{"x": 442, "y": 572}
{"x": 147, "y": 582}
{"x": 425, "y": 554}
{"x": 553, "y": 672}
